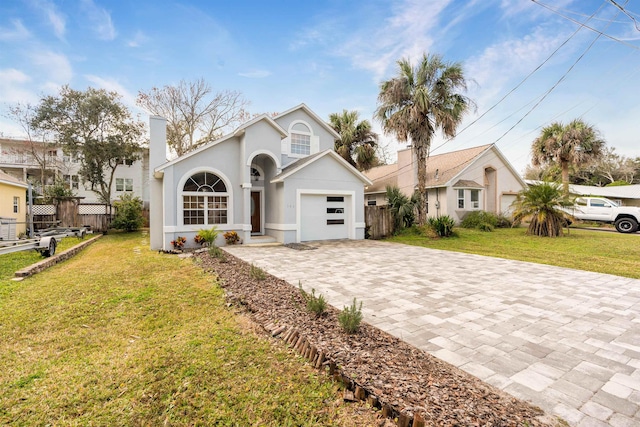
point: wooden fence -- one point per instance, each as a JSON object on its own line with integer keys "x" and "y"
{"x": 72, "y": 214}
{"x": 379, "y": 221}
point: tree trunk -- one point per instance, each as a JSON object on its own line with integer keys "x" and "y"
{"x": 421, "y": 150}
{"x": 565, "y": 178}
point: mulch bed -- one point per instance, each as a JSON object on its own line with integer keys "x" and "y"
{"x": 404, "y": 382}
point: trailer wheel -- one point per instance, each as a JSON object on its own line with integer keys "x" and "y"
{"x": 51, "y": 249}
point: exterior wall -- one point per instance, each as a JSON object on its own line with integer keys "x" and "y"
{"x": 214, "y": 160}
{"x": 506, "y": 183}
{"x": 407, "y": 174}
{"x": 380, "y": 199}
{"x": 312, "y": 179}
{"x": 7, "y": 193}
{"x": 325, "y": 140}
{"x": 17, "y": 161}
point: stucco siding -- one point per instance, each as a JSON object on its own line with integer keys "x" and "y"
{"x": 7, "y": 193}
{"x": 325, "y": 140}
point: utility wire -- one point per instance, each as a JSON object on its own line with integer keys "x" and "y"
{"x": 557, "y": 12}
{"x": 623, "y": 10}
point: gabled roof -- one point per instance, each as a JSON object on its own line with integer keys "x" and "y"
{"x": 5, "y": 178}
{"x": 381, "y": 176}
{"x": 317, "y": 118}
{"x": 442, "y": 168}
{"x": 236, "y": 133}
{"x": 298, "y": 165}
{"x": 467, "y": 183}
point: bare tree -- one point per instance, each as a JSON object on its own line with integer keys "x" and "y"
{"x": 195, "y": 114}
{"x": 38, "y": 142}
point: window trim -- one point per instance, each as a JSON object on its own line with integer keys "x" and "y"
{"x": 313, "y": 139}
{"x": 461, "y": 198}
{"x": 181, "y": 193}
{"x": 16, "y": 204}
{"x": 475, "y": 204}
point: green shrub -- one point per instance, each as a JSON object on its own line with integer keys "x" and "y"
{"x": 485, "y": 221}
{"x": 315, "y": 304}
{"x": 128, "y": 213}
{"x": 257, "y": 273}
{"x": 442, "y": 225}
{"x": 207, "y": 236}
{"x": 350, "y": 317}
{"x": 402, "y": 207}
{"x": 476, "y": 219}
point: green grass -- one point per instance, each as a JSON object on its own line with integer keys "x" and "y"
{"x": 10, "y": 263}
{"x": 121, "y": 335}
{"x": 602, "y": 252}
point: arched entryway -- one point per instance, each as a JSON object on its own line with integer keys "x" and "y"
{"x": 262, "y": 168}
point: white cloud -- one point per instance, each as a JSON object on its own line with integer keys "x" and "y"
{"x": 112, "y": 85}
{"x": 406, "y": 34}
{"x": 138, "y": 39}
{"x": 18, "y": 32}
{"x": 100, "y": 19}
{"x": 13, "y": 86}
{"x": 56, "y": 19}
{"x": 256, "y": 74}
{"x": 55, "y": 65}
{"x": 496, "y": 67}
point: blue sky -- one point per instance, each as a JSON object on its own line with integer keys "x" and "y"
{"x": 332, "y": 55}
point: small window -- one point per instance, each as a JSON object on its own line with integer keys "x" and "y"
{"x": 335, "y": 221}
{"x": 335, "y": 210}
{"x": 371, "y": 201}
{"x": 300, "y": 144}
{"x": 460, "y": 199}
{"x": 475, "y": 199}
{"x": 16, "y": 204}
{"x": 124, "y": 184}
{"x": 335, "y": 199}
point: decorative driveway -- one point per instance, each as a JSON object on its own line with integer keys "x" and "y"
{"x": 566, "y": 340}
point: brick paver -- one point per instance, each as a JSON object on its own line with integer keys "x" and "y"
{"x": 566, "y": 340}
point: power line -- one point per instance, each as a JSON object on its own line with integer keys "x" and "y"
{"x": 623, "y": 10}
{"x": 557, "y": 12}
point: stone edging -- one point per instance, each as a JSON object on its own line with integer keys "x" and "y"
{"x": 317, "y": 359}
{"x": 48, "y": 262}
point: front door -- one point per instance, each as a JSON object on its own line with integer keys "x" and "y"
{"x": 255, "y": 212}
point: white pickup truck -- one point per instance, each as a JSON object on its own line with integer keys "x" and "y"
{"x": 625, "y": 218}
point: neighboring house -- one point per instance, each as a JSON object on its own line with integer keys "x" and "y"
{"x": 13, "y": 207}
{"x": 273, "y": 179}
{"x": 17, "y": 160}
{"x": 624, "y": 195}
{"x": 478, "y": 178}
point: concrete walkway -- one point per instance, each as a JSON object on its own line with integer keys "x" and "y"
{"x": 568, "y": 341}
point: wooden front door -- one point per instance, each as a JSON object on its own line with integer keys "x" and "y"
{"x": 255, "y": 212}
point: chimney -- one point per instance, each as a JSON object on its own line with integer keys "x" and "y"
{"x": 157, "y": 157}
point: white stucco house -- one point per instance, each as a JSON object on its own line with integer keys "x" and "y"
{"x": 273, "y": 179}
{"x": 458, "y": 182}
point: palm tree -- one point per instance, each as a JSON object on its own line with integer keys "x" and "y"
{"x": 542, "y": 204}
{"x": 418, "y": 102}
{"x": 575, "y": 144}
{"x": 402, "y": 207}
{"x": 357, "y": 143}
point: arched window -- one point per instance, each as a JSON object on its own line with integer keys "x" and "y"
{"x": 300, "y": 139}
{"x": 204, "y": 200}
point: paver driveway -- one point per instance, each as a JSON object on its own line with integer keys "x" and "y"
{"x": 566, "y": 340}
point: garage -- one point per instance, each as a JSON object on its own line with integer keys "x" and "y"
{"x": 505, "y": 204}
{"x": 324, "y": 217}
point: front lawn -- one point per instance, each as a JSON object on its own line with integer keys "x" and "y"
{"x": 603, "y": 252}
{"x": 121, "y": 335}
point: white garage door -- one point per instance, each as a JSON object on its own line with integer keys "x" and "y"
{"x": 505, "y": 204}
{"x": 324, "y": 217}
